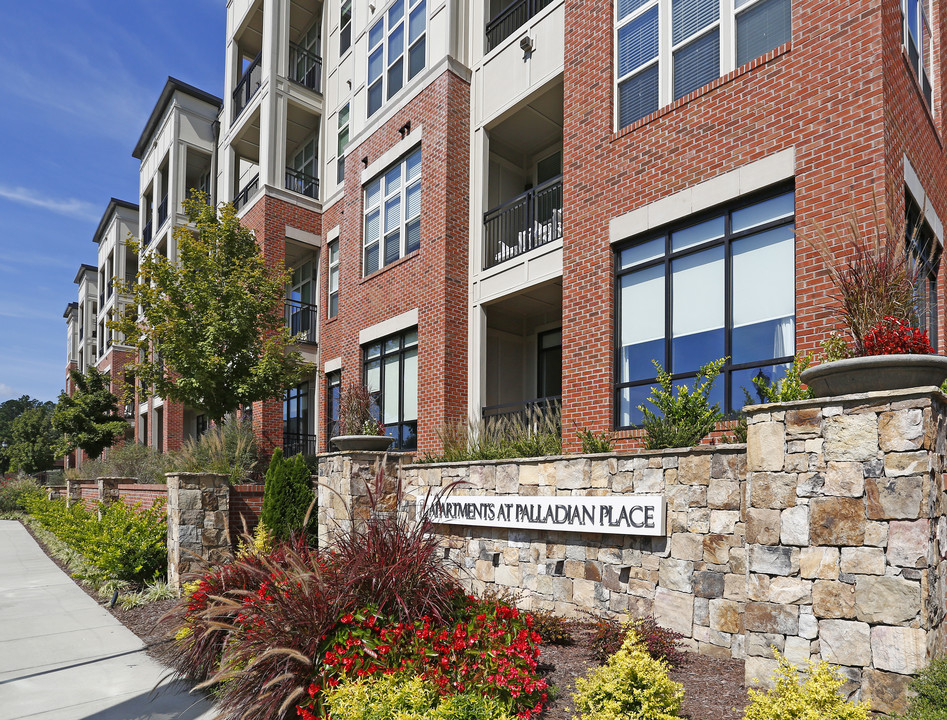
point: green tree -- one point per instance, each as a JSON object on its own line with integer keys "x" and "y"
{"x": 212, "y": 334}
{"x": 33, "y": 441}
{"x": 287, "y": 496}
{"x": 10, "y": 410}
{"x": 89, "y": 419}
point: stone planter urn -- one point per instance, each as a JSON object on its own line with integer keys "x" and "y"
{"x": 362, "y": 443}
{"x": 875, "y": 373}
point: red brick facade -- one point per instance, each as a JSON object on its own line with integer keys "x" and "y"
{"x": 840, "y": 93}
{"x": 433, "y": 279}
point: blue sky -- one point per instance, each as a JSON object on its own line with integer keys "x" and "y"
{"x": 79, "y": 80}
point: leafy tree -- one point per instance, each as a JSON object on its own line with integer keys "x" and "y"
{"x": 211, "y": 335}
{"x": 89, "y": 419}
{"x": 33, "y": 441}
{"x": 287, "y": 496}
{"x": 10, "y": 410}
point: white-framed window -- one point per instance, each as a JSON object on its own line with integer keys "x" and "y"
{"x": 393, "y": 214}
{"x": 396, "y": 50}
{"x": 918, "y": 41}
{"x": 720, "y": 284}
{"x": 665, "y": 49}
{"x": 343, "y": 124}
{"x": 345, "y": 27}
{"x": 333, "y": 249}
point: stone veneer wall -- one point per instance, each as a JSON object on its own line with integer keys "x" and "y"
{"x": 824, "y": 536}
{"x": 198, "y": 522}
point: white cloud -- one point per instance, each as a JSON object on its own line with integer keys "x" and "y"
{"x": 5, "y": 390}
{"x": 71, "y": 207}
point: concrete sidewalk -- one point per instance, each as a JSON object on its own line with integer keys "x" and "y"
{"x": 63, "y": 656}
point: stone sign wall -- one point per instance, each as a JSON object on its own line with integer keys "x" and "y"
{"x": 824, "y": 536}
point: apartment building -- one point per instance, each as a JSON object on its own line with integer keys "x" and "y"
{"x": 177, "y": 151}
{"x": 494, "y": 206}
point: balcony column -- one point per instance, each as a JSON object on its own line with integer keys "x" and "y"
{"x": 273, "y": 40}
{"x": 477, "y": 364}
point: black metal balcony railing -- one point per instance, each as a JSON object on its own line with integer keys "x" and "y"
{"x": 81, "y": 332}
{"x": 110, "y": 288}
{"x": 162, "y": 211}
{"x": 244, "y": 195}
{"x": 146, "y": 233}
{"x": 108, "y": 340}
{"x": 248, "y": 85}
{"x": 531, "y": 413}
{"x": 294, "y": 443}
{"x": 302, "y": 183}
{"x": 302, "y": 319}
{"x": 510, "y": 18}
{"x": 305, "y": 68}
{"x": 527, "y": 221}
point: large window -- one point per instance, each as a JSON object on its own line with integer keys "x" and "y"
{"x": 391, "y": 376}
{"x": 718, "y": 285}
{"x": 393, "y": 214}
{"x": 296, "y": 410}
{"x": 918, "y": 41}
{"x": 396, "y": 50}
{"x": 334, "y": 278}
{"x": 666, "y": 49}
{"x": 924, "y": 251}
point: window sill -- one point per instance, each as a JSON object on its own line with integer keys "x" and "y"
{"x": 390, "y": 266}
{"x": 709, "y": 87}
{"x": 915, "y": 83}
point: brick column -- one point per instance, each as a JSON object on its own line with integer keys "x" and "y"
{"x": 198, "y": 522}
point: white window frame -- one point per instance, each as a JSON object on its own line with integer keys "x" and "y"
{"x": 924, "y": 68}
{"x": 333, "y": 256}
{"x": 725, "y": 24}
{"x": 384, "y": 197}
{"x": 343, "y": 131}
{"x": 379, "y": 39}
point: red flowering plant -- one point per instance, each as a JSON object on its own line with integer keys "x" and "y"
{"x": 892, "y": 336}
{"x": 489, "y": 647}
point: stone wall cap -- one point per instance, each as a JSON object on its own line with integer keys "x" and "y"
{"x": 196, "y": 474}
{"x": 930, "y": 392}
{"x": 129, "y": 480}
{"x": 723, "y": 448}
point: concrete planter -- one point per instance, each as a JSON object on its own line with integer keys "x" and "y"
{"x": 875, "y": 373}
{"x": 362, "y": 443}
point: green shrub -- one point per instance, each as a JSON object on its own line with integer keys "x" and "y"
{"x": 631, "y": 685}
{"x": 930, "y": 687}
{"x": 816, "y": 698}
{"x": 288, "y": 497}
{"x": 687, "y": 417}
{"x": 131, "y": 460}
{"x": 127, "y": 544}
{"x": 395, "y": 697}
{"x": 786, "y": 389}
{"x": 15, "y": 491}
{"x": 228, "y": 449}
{"x": 594, "y": 443}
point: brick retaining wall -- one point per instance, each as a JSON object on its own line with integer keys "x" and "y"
{"x": 246, "y": 504}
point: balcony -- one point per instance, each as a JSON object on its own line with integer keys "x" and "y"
{"x": 528, "y": 221}
{"x": 248, "y": 85}
{"x": 102, "y": 298}
{"x": 163, "y": 210}
{"x": 244, "y": 195}
{"x": 110, "y": 287}
{"x": 81, "y": 332}
{"x": 514, "y": 15}
{"x": 302, "y": 183}
{"x": 302, "y": 319}
{"x": 294, "y": 443}
{"x": 305, "y": 68}
{"x": 146, "y": 233}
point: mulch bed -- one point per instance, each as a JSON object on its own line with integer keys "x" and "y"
{"x": 713, "y": 687}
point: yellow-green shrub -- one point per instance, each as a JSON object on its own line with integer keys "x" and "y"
{"x": 393, "y": 697}
{"x": 815, "y": 698}
{"x": 631, "y": 685}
